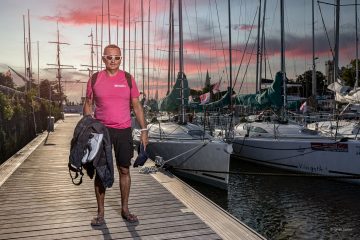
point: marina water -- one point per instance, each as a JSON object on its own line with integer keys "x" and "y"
{"x": 281, "y": 207}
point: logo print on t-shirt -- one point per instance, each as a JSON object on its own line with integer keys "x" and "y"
{"x": 119, "y": 85}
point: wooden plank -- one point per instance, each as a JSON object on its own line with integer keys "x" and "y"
{"x": 86, "y": 216}
{"x": 84, "y": 223}
{"x": 221, "y": 222}
{"x": 205, "y": 234}
{"x": 113, "y": 229}
{"x": 38, "y": 201}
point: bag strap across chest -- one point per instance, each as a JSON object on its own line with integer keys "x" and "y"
{"x": 127, "y": 76}
{"x": 95, "y": 75}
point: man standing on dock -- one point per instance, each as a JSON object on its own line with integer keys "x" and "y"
{"x": 113, "y": 91}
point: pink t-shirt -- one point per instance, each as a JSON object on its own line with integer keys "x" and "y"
{"x": 112, "y": 99}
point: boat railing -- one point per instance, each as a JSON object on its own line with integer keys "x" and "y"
{"x": 305, "y": 119}
{"x": 216, "y": 124}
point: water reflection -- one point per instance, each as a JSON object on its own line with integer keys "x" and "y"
{"x": 289, "y": 207}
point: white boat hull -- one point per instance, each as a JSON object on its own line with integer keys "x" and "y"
{"x": 208, "y": 162}
{"x": 190, "y": 152}
{"x": 315, "y": 156}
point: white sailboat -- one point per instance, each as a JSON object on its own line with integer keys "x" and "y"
{"x": 185, "y": 147}
{"x": 338, "y": 129}
{"x": 190, "y": 152}
{"x": 291, "y": 147}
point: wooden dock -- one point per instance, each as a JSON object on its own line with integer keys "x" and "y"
{"x": 38, "y": 201}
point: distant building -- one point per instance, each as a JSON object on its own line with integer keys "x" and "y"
{"x": 207, "y": 80}
{"x": 329, "y": 72}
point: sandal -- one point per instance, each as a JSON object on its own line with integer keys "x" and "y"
{"x": 129, "y": 217}
{"x": 97, "y": 221}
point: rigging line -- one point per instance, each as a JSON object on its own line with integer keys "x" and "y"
{"x": 238, "y": 32}
{"x": 161, "y": 54}
{"x": 247, "y": 66}
{"x": 197, "y": 32}
{"x": 177, "y": 127}
{"x": 243, "y": 56}
{"x": 269, "y": 66}
{"x": 267, "y": 58}
{"x": 222, "y": 42}
{"x": 154, "y": 39}
{"x": 289, "y": 30}
{"x": 273, "y": 17}
{"x": 191, "y": 149}
{"x": 326, "y": 32}
{"x": 187, "y": 16}
{"x": 214, "y": 42}
{"x": 274, "y": 174}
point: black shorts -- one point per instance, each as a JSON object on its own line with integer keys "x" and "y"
{"x": 122, "y": 141}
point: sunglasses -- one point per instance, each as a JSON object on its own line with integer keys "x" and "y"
{"x": 112, "y": 57}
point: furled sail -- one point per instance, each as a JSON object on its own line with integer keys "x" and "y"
{"x": 172, "y": 102}
{"x": 271, "y": 97}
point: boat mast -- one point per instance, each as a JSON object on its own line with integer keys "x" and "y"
{"x": 336, "y": 58}
{"x": 148, "y": 53}
{"x": 314, "y": 87}
{"x": 58, "y": 66}
{"x": 142, "y": 47}
{"x": 102, "y": 30}
{"x": 135, "y": 51}
{"x": 25, "y": 72}
{"x": 129, "y": 35}
{"x": 262, "y": 48}
{"x": 38, "y": 68}
{"x": 172, "y": 68}
{"x": 357, "y": 48}
{"x": 169, "y": 56}
{"x": 97, "y": 46}
{"x": 181, "y": 74}
{"x": 29, "y": 51}
{"x": 124, "y": 20}
{"x": 258, "y": 51}
{"x": 230, "y": 56}
{"x": 109, "y": 21}
{"x": 283, "y": 51}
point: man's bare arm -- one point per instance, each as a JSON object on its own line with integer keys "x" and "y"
{"x": 87, "y": 107}
{"x": 140, "y": 117}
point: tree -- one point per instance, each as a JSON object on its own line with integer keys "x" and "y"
{"x": 45, "y": 89}
{"x": 348, "y": 73}
{"x": 6, "y": 80}
{"x": 306, "y": 81}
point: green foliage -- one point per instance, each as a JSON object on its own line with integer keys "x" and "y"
{"x": 6, "y": 81}
{"x": 6, "y": 108}
{"x": 17, "y": 115}
{"x": 305, "y": 80}
{"x": 348, "y": 73}
{"x": 45, "y": 89}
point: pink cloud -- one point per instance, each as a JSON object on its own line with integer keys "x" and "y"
{"x": 244, "y": 27}
{"x": 74, "y": 13}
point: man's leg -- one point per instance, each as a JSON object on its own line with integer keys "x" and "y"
{"x": 100, "y": 197}
{"x": 125, "y": 182}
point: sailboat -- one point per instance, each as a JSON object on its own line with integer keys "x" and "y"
{"x": 183, "y": 146}
{"x": 291, "y": 147}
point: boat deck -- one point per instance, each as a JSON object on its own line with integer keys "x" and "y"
{"x": 38, "y": 201}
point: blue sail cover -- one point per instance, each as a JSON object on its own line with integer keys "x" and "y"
{"x": 172, "y": 102}
{"x": 271, "y": 97}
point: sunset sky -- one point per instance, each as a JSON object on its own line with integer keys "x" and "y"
{"x": 206, "y": 41}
